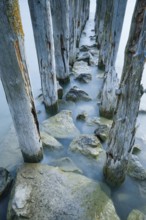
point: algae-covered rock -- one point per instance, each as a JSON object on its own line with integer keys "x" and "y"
{"x": 87, "y": 144}
{"x": 60, "y": 125}
{"x": 42, "y": 192}
{"x": 136, "y": 215}
{"x": 50, "y": 142}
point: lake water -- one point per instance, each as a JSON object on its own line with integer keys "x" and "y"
{"x": 128, "y": 196}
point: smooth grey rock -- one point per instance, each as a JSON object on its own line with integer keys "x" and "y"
{"x": 50, "y": 142}
{"x": 76, "y": 94}
{"x": 135, "y": 168}
{"x": 60, "y": 125}
{"x": 87, "y": 144}
{"x": 82, "y": 116}
{"x": 66, "y": 165}
{"x": 84, "y": 77}
{"x": 11, "y": 156}
{"x": 42, "y": 192}
{"x": 5, "y": 181}
{"x": 136, "y": 215}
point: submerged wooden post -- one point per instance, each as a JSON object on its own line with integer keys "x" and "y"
{"x": 108, "y": 54}
{"x": 122, "y": 134}
{"x": 43, "y": 33}
{"x": 60, "y": 18}
{"x": 15, "y": 80}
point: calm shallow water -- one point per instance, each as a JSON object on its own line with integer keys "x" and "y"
{"x": 128, "y": 196}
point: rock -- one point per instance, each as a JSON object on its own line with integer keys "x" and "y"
{"x": 76, "y": 94}
{"x": 136, "y": 149}
{"x": 80, "y": 67}
{"x": 66, "y": 165}
{"x": 59, "y": 90}
{"x": 86, "y": 57}
{"x": 142, "y": 111}
{"x": 136, "y": 215}
{"x": 87, "y": 144}
{"x": 99, "y": 121}
{"x": 102, "y": 132}
{"x": 53, "y": 194}
{"x": 82, "y": 116}
{"x": 84, "y": 48}
{"x": 50, "y": 142}
{"x": 60, "y": 125}
{"x": 135, "y": 168}
{"x": 93, "y": 37}
{"x": 5, "y": 181}
{"x": 84, "y": 77}
{"x": 11, "y": 156}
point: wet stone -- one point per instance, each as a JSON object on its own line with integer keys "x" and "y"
{"x": 136, "y": 215}
{"x": 136, "y": 149}
{"x": 86, "y": 57}
{"x": 135, "y": 168}
{"x": 66, "y": 165}
{"x": 80, "y": 67}
{"x": 84, "y": 77}
{"x": 82, "y": 116}
{"x": 54, "y": 194}
{"x": 86, "y": 144}
{"x": 50, "y": 142}
{"x": 60, "y": 126}
{"x": 76, "y": 94}
{"x": 102, "y": 132}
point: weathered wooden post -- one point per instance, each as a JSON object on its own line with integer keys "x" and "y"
{"x": 122, "y": 134}
{"x": 43, "y": 33}
{"x": 108, "y": 53}
{"x": 78, "y": 15}
{"x": 15, "y": 80}
{"x": 60, "y": 18}
{"x": 73, "y": 7}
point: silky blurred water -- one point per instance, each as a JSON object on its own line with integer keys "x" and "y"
{"x": 128, "y": 196}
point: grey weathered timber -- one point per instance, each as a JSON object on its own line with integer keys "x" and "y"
{"x": 122, "y": 134}
{"x": 43, "y": 33}
{"x": 101, "y": 8}
{"x": 15, "y": 80}
{"x": 108, "y": 54}
{"x": 60, "y": 18}
{"x": 78, "y": 15}
{"x": 83, "y": 15}
{"x": 73, "y": 8}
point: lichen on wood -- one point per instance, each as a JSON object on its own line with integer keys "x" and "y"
{"x": 13, "y": 14}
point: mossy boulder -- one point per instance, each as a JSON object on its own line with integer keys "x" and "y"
{"x": 60, "y": 125}
{"x": 43, "y": 192}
